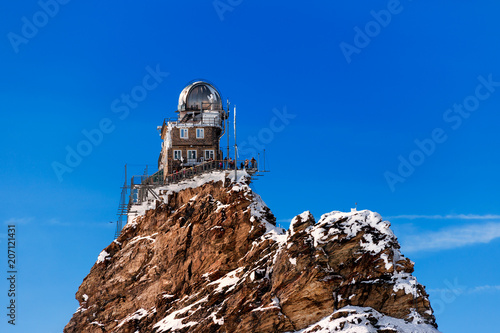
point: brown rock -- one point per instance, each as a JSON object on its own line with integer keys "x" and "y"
{"x": 211, "y": 259}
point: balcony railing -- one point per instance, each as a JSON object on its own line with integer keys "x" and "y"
{"x": 190, "y": 172}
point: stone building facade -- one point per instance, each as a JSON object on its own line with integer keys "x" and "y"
{"x": 194, "y": 136}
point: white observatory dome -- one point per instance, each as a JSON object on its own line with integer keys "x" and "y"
{"x": 200, "y": 96}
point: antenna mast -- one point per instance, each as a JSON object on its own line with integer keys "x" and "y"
{"x": 264, "y": 160}
{"x": 227, "y": 134}
{"x": 235, "y": 147}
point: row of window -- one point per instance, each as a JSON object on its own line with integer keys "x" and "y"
{"x": 200, "y": 133}
{"x": 191, "y": 154}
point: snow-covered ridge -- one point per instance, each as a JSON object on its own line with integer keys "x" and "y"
{"x": 197, "y": 181}
{"x": 347, "y": 225}
{"x": 258, "y": 207}
{"x": 378, "y": 239}
{"x": 354, "y": 319}
{"x": 350, "y": 224}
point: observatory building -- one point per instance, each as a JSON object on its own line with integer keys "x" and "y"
{"x": 193, "y": 137}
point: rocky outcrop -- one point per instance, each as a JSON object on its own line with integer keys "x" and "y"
{"x": 209, "y": 258}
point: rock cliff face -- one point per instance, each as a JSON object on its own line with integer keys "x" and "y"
{"x": 209, "y": 258}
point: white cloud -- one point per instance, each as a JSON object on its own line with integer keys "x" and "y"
{"x": 484, "y": 288}
{"x": 446, "y": 217}
{"x": 464, "y": 289}
{"x": 57, "y": 222}
{"x": 17, "y": 221}
{"x": 452, "y": 237}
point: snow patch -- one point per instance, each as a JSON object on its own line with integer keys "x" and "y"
{"x": 97, "y": 323}
{"x": 275, "y": 304}
{"x": 220, "y": 206}
{"x": 102, "y": 256}
{"x": 139, "y": 238}
{"x": 217, "y": 227}
{"x": 350, "y": 224}
{"x": 214, "y": 176}
{"x": 219, "y": 322}
{"x": 303, "y": 217}
{"x": 138, "y": 315}
{"x": 360, "y": 320}
{"x": 230, "y": 279}
{"x": 385, "y": 258}
{"x": 406, "y": 282}
{"x": 172, "y": 323}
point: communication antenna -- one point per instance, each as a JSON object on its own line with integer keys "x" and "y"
{"x": 264, "y": 160}
{"x": 227, "y": 134}
{"x": 235, "y": 147}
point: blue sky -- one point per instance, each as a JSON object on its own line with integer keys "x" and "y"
{"x": 393, "y": 105}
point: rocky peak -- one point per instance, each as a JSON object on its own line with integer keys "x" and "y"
{"x": 208, "y": 257}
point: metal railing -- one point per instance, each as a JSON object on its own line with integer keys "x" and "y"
{"x": 204, "y": 167}
{"x": 190, "y": 172}
{"x": 142, "y": 186}
{"x": 215, "y": 122}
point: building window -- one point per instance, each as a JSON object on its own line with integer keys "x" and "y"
{"x": 200, "y": 133}
{"x": 191, "y": 154}
{"x": 209, "y": 154}
{"x": 184, "y": 133}
{"x": 177, "y": 154}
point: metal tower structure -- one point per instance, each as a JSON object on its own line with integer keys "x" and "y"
{"x": 123, "y": 206}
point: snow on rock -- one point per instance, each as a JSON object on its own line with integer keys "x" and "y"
{"x": 138, "y": 315}
{"x": 275, "y": 304}
{"x": 213, "y": 259}
{"x": 385, "y": 258}
{"x": 260, "y": 212}
{"x": 219, "y": 322}
{"x": 230, "y": 279}
{"x": 353, "y": 319}
{"x": 350, "y": 224}
{"x": 173, "y": 323}
{"x": 139, "y": 238}
{"x": 258, "y": 208}
{"x": 305, "y": 216}
{"x": 214, "y": 176}
{"x": 406, "y": 282}
{"x": 377, "y": 240}
{"x": 221, "y": 206}
{"x": 102, "y": 256}
{"x": 97, "y": 323}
